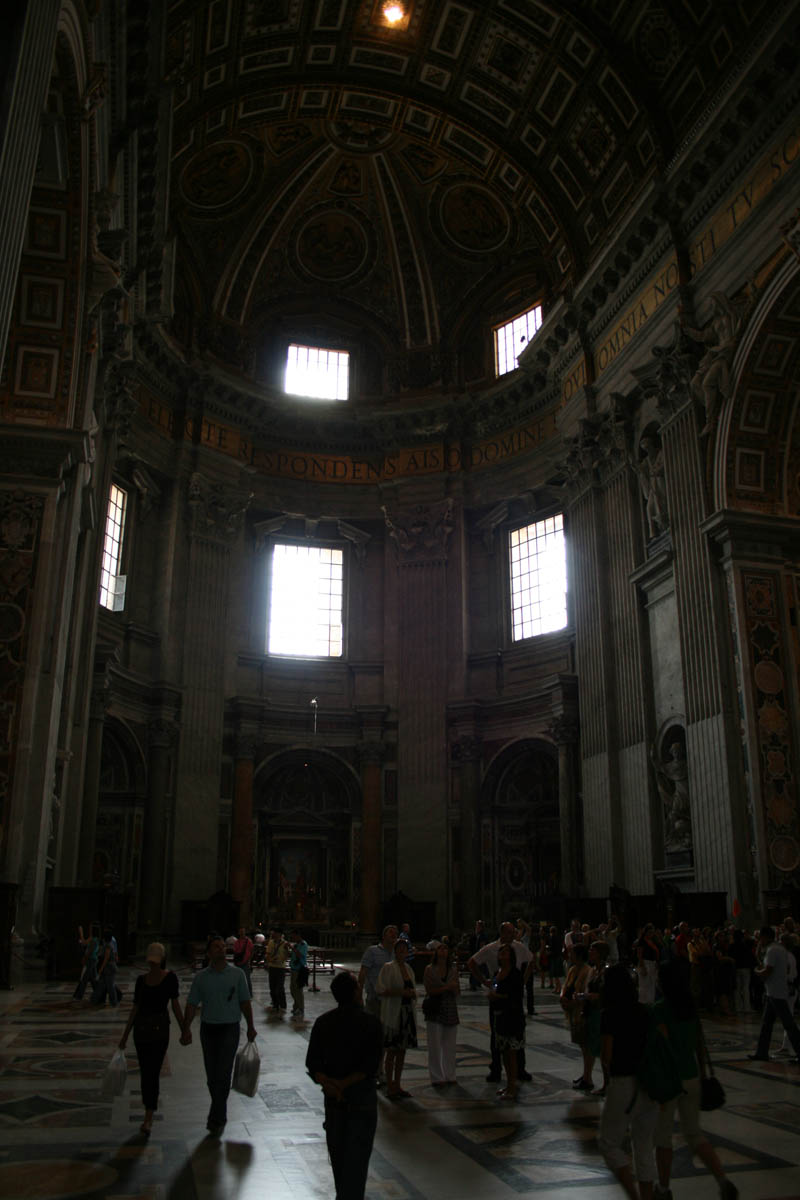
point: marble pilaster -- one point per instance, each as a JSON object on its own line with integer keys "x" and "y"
{"x": 700, "y": 622}
{"x": 242, "y": 840}
{"x": 421, "y": 534}
{"x": 214, "y": 518}
{"x": 371, "y": 754}
{"x": 465, "y": 765}
{"x": 155, "y": 834}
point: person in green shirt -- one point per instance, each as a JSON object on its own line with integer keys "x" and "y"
{"x": 676, "y": 1016}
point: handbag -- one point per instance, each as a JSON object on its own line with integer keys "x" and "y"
{"x": 246, "y": 1067}
{"x": 712, "y": 1093}
{"x": 114, "y": 1076}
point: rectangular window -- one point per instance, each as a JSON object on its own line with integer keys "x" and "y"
{"x": 323, "y": 374}
{"x": 538, "y": 568}
{"x": 511, "y": 338}
{"x": 112, "y": 584}
{"x": 305, "y": 601}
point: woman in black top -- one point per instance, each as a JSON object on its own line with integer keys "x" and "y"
{"x": 149, "y": 1020}
{"x": 505, "y": 996}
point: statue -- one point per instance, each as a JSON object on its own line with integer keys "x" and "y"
{"x": 650, "y": 468}
{"x": 672, "y": 778}
{"x": 712, "y": 380}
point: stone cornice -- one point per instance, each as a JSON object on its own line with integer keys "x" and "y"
{"x": 754, "y": 537}
{"x": 41, "y": 456}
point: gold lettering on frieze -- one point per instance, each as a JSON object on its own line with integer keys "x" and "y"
{"x": 769, "y": 172}
{"x": 577, "y": 378}
{"x": 331, "y": 468}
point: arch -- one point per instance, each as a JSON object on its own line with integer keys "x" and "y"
{"x": 307, "y": 805}
{"x": 521, "y": 846}
{"x": 120, "y": 808}
{"x": 758, "y": 452}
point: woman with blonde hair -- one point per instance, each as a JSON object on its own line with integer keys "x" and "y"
{"x": 398, "y": 996}
{"x": 149, "y": 1020}
{"x": 440, "y": 1009}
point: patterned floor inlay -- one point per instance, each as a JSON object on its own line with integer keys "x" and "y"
{"x": 100, "y": 1173}
{"x": 59, "y": 1139}
{"x": 531, "y": 1156}
{"x": 60, "y": 1109}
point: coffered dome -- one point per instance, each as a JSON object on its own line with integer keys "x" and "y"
{"x": 397, "y": 189}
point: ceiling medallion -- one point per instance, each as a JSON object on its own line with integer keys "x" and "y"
{"x": 333, "y": 243}
{"x": 218, "y": 175}
{"x": 473, "y": 219}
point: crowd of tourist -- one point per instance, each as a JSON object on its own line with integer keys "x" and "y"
{"x": 632, "y": 1004}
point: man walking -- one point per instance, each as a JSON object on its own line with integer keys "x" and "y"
{"x": 221, "y": 991}
{"x": 487, "y": 957}
{"x": 775, "y": 974}
{"x": 344, "y": 1052}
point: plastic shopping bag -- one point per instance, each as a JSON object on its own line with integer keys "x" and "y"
{"x": 114, "y": 1076}
{"x": 245, "y": 1070}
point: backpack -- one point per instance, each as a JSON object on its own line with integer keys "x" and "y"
{"x": 657, "y": 1073}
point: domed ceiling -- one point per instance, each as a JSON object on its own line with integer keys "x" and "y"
{"x": 398, "y": 188}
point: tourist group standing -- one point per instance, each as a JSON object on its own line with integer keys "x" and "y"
{"x": 636, "y": 1009}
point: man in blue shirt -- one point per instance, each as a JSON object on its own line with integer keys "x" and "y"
{"x": 372, "y": 960}
{"x": 221, "y": 990}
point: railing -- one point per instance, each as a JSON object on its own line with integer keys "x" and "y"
{"x": 337, "y": 939}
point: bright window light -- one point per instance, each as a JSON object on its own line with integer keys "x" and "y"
{"x": 323, "y": 374}
{"x": 112, "y": 584}
{"x": 538, "y": 563}
{"x": 511, "y": 339}
{"x": 305, "y": 604}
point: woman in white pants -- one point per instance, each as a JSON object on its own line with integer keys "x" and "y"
{"x": 440, "y": 1009}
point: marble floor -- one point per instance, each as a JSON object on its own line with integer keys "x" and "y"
{"x": 59, "y": 1138}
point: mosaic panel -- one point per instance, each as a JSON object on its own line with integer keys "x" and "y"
{"x": 769, "y": 699}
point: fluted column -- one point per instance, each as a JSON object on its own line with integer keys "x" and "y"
{"x": 27, "y": 59}
{"x": 623, "y": 551}
{"x": 156, "y": 825}
{"x": 701, "y": 617}
{"x": 242, "y": 840}
{"x": 588, "y": 574}
{"x": 371, "y": 754}
{"x": 91, "y": 783}
{"x": 564, "y": 732}
{"x": 465, "y": 762}
{"x": 421, "y": 534}
{"x": 214, "y": 518}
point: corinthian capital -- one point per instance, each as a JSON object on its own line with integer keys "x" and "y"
{"x": 421, "y": 533}
{"x": 214, "y": 511}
